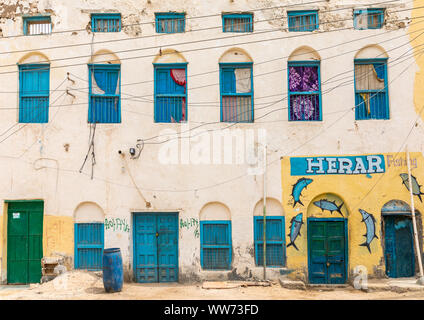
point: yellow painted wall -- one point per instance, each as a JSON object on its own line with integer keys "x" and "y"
{"x": 58, "y": 236}
{"x": 357, "y": 192}
{"x": 417, "y": 41}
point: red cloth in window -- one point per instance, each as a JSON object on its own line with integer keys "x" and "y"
{"x": 179, "y": 76}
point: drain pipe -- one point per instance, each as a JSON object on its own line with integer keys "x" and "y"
{"x": 264, "y": 212}
{"x": 414, "y": 222}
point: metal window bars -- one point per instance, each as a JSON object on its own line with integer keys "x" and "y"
{"x": 238, "y": 23}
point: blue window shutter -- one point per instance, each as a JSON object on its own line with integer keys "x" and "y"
{"x": 169, "y": 22}
{"x": 89, "y": 245}
{"x": 215, "y": 243}
{"x": 228, "y": 81}
{"x": 106, "y": 22}
{"x": 34, "y": 86}
{"x": 235, "y": 106}
{"x": 275, "y": 241}
{"x": 105, "y": 107}
{"x": 373, "y": 103}
{"x": 302, "y": 20}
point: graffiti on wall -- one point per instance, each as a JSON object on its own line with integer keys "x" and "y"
{"x": 331, "y": 206}
{"x": 190, "y": 223}
{"x": 369, "y": 221}
{"x": 416, "y": 188}
{"x": 116, "y": 224}
{"x": 298, "y": 187}
{"x": 296, "y": 224}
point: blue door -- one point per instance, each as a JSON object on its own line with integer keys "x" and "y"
{"x": 327, "y": 250}
{"x": 89, "y": 244}
{"x": 156, "y": 247}
{"x": 399, "y": 246}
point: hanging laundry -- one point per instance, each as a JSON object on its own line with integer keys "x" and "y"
{"x": 243, "y": 81}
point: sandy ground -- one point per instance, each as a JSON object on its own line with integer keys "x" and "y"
{"x": 89, "y": 286}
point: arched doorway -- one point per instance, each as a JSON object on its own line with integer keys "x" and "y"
{"x": 327, "y": 240}
{"x": 399, "y": 252}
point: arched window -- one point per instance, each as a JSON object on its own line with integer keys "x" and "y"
{"x": 304, "y": 85}
{"x": 104, "y": 88}
{"x": 371, "y": 87}
{"x": 170, "y": 87}
{"x": 215, "y": 237}
{"x": 34, "y": 88}
{"x": 236, "y": 86}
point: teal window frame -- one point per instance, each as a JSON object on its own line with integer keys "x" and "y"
{"x": 27, "y": 20}
{"x": 25, "y": 113}
{"x": 158, "y": 117}
{"x": 386, "y": 90}
{"x": 170, "y": 18}
{"x": 369, "y": 12}
{"x": 91, "y": 117}
{"x": 204, "y": 246}
{"x": 305, "y": 63}
{"x": 79, "y": 246}
{"x": 110, "y": 18}
{"x": 231, "y": 17}
{"x": 223, "y": 66}
{"x": 305, "y": 14}
{"x": 258, "y": 239}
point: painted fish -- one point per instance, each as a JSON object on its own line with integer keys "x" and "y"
{"x": 296, "y": 224}
{"x": 416, "y": 188}
{"x": 331, "y": 206}
{"x": 298, "y": 187}
{"x": 369, "y": 220}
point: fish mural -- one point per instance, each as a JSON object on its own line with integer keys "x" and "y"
{"x": 298, "y": 187}
{"x": 296, "y": 224}
{"x": 331, "y": 206}
{"x": 416, "y": 188}
{"x": 369, "y": 221}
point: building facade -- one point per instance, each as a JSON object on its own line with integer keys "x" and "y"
{"x": 143, "y": 125}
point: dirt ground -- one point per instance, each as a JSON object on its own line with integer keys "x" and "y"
{"x": 89, "y": 286}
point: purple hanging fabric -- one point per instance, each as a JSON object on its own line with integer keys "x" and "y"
{"x": 303, "y": 79}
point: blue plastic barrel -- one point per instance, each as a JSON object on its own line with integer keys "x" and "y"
{"x": 113, "y": 272}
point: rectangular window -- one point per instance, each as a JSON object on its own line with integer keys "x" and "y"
{"x": 105, "y": 93}
{"x": 303, "y": 20}
{"x": 368, "y": 19}
{"x": 236, "y": 92}
{"x": 275, "y": 241}
{"x": 371, "y": 90}
{"x": 170, "y": 92}
{"x": 106, "y": 22}
{"x": 34, "y": 86}
{"x": 170, "y": 22}
{"x": 89, "y": 244}
{"x": 37, "y": 25}
{"x": 237, "y": 22}
{"x": 215, "y": 244}
{"x": 304, "y": 91}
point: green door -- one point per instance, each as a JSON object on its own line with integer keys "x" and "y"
{"x": 24, "y": 241}
{"x": 327, "y": 258}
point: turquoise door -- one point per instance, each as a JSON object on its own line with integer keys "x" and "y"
{"x": 155, "y": 247}
{"x": 399, "y": 246}
{"x": 327, "y": 250}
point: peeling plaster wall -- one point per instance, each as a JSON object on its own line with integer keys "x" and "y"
{"x": 43, "y": 160}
